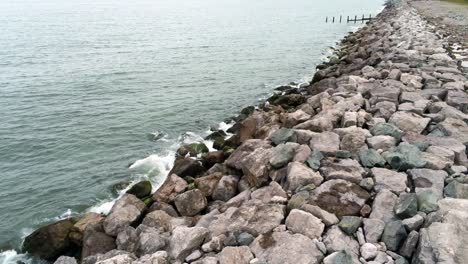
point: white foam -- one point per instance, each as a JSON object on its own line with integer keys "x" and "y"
{"x": 12, "y": 257}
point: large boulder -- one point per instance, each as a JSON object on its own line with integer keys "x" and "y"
{"x": 409, "y": 122}
{"x": 172, "y": 186}
{"x": 50, "y": 241}
{"x": 383, "y": 205}
{"x": 190, "y": 203}
{"x": 336, "y": 240}
{"x": 283, "y": 154}
{"x": 187, "y": 167}
{"x": 141, "y": 189}
{"x": 299, "y": 175}
{"x": 235, "y": 255}
{"x": 325, "y": 142}
{"x": 96, "y": 241}
{"x": 283, "y": 247}
{"x": 77, "y": 231}
{"x": 390, "y": 180}
{"x": 301, "y": 222}
{"x": 207, "y": 184}
{"x": 184, "y": 240}
{"x": 226, "y": 188}
{"x": 344, "y": 169}
{"x": 404, "y": 157}
{"x": 339, "y": 197}
{"x": 426, "y": 179}
{"x": 119, "y": 219}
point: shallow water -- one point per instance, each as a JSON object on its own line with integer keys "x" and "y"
{"x": 84, "y": 84}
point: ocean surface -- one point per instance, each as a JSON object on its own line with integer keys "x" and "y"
{"x": 98, "y": 92}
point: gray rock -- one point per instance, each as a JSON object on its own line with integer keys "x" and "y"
{"x": 325, "y": 142}
{"x": 342, "y": 257}
{"x": 369, "y": 251}
{"x": 160, "y": 257}
{"x": 456, "y": 189}
{"x": 427, "y": 200}
{"x": 371, "y": 158}
{"x": 283, "y": 135}
{"x": 190, "y": 203}
{"x": 149, "y": 240}
{"x": 185, "y": 239}
{"x": 367, "y": 183}
{"x": 96, "y": 241}
{"x": 349, "y": 119}
{"x": 65, "y": 260}
{"x": 299, "y": 221}
{"x": 283, "y": 154}
{"x": 394, "y": 234}
{"x": 426, "y": 179}
{"x": 235, "y": 255}
{"x": 387, "y": 129}
{"x": 283, "y": 247}
{"x": 127, "y": 239}
{"x": 413, "y": 223}
{"x": 303, "y": 153}
{"x": 373, "y": 229}
{"x": 350, "y": 224}
{"x": 299, "y": 175}
{"x": 226, "y": 188}
{"x": 455, "y": 128}
{"x": 314, "y": 159}
{"x": 382, "y": 142}
{"x": 327, "y": 218}
{"x": 405, "y": 156}
{"x": 407, "y": 205}
{"x": 265, "y": 194}
{"x": 344, "y": 169}
{"x": 120, "y": 218}
{"x": 340, "y": 197}
{"x": 245, "y": 239}
{"x": 389, "y": 180}
{"x": 383, "y": 205}
{"x": 409, "y": 245}
{"x": 336, "y": 240}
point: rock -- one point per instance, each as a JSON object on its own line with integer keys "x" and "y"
{"x": 409, "y": 245}
{"x": 96, "y": 241}
{"x": 119, "y": 219}
{"x": 299, "y": 221}
{"x": 65, "y": 260}
{"x": 383, "y": 205}
{"x": 394, "y": 234}
{"x": 325, "y": 142}
{"x": 385, "y": 93}
{"x": 283, "y": 247}
{"x": 77, "y": 231}
{"x": 265, "y": 194}
{"x": 455, "y": 128}
{"x": 283, "y": 135}
{"x": 371, "y": 158}
{"x": 187, "y": 167}
{"x": 373, "y": 229}
{"x": 457, "y": 99}
{"x": 349, "y": 119}
{"x": 207, "y": 184}
{"x": 367, "y": 183}
{"x": 427, "y": 200}
{"x": 126, "y": 200}
{"x": 255, "y": 218}
{"x": 424, "y": 179}
{"x": 235, "y": 255}
{"x": 409, "y": 122}
{"x": 185, "y": 239}
{"x": 327, "y": 218}
{"x": 386, "y": 129}
{"x": 314, "y": 159}
{"x": 255, "y": 166}
{"x": 342, "y": 257}
{"x": 384, "y": 109}
{"x": 172, "y": 186}
{"x": 190, "y": 203}
{"x": 299, "y": 175}
{"x": 226, "y": 188}
{"x": 407, "y": 205}
{"x": 149, "y": 240}
{"x": 283, "y": 154}
{"x": 209, "y": 159}
{"x": 369, "y": 251}
{"x": 160, "y": 257}
{"x": 345, "y": 169}
{"x": 123, "y": 258}
{"x": 444, "y": 241}
{"x": 339, "y": 197}
{"x": 350, "y": 224}
{"x": 141, "y": 190}
{"x": 336, "y": 240}
{"x": 405, "y": 156}
{"x": 456, "y": 189}
{"x": 382, "y": 142}
{"x": 303, "y": 153}
{"x": 127, "y": 239}
{"x": 389, "y": 180}
{"x": 245, "y": 239}
{"x": 291, "y": 119}
{"x": 413, "y": 223}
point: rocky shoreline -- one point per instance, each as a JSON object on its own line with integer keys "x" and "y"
{"x": 367, "y": 164}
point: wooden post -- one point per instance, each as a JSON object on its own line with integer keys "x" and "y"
{"x": 347, "y": 20}
{"x": 326, "y": 20}
{"x": 340, "y": 19}
{"x": 333, "y": 19}
{"x": 370, "y": 17}
{"x": 355, "y": 19}
{"x": 362, "y": 20}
